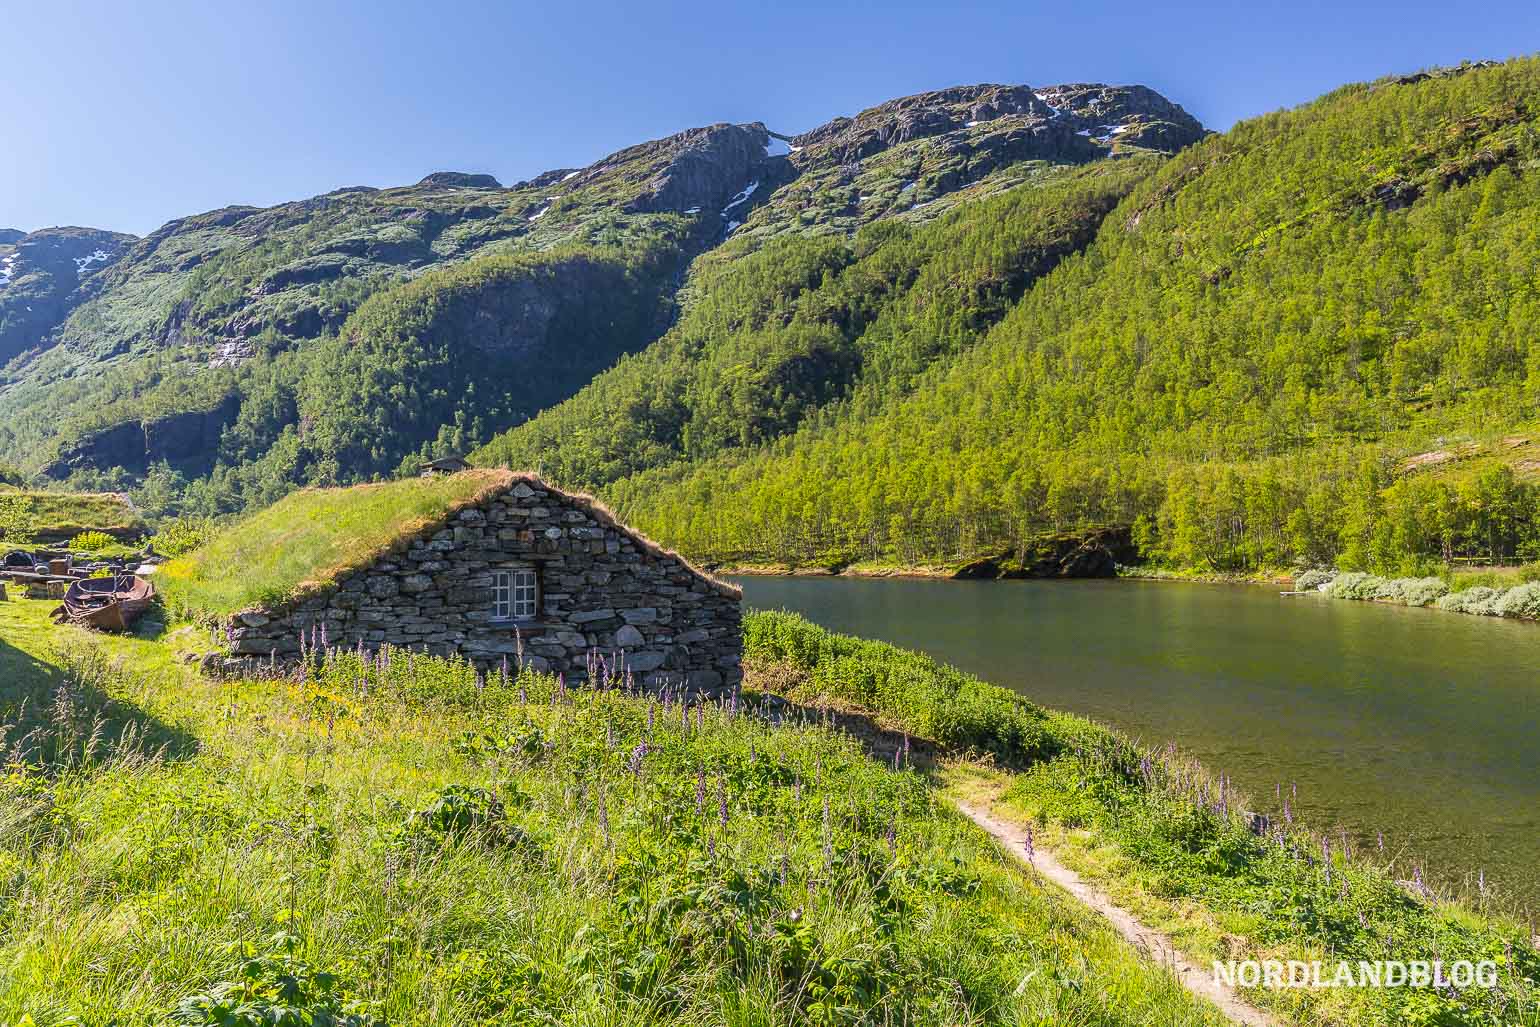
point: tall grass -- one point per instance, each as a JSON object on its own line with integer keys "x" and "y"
{"x": 403, "y": 840}
{"x": 908, "y": 688}
{"x": 1186, "y": 834}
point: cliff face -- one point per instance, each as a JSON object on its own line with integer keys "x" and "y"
{"x": 44, "y": 276}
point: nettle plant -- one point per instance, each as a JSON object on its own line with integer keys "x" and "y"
{"x": 272, "y": 986}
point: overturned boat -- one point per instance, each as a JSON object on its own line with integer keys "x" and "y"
{"x": 18, "y": 561}
{"x": 107, "y": 604}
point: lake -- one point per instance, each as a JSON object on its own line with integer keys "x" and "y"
{"x": 1422, "y": 724}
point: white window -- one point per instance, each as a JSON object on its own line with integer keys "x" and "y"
{"x": 514, "y": 595}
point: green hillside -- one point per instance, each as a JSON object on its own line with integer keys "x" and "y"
{"x": 233, "y": 355}
{"x": 782, "y": 336}
{"x": 414, "y": 844}
{"x": 1240, "y": 366}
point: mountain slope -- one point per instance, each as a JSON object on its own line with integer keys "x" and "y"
{"x": 45, "y": 275}
{"x": 1237, "y": 366}
{"x": 233, "y": 346}
{"x": 787, "y": 334}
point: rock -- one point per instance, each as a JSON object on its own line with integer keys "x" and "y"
{"x": 253, "y": 618}
{"x": 645, "y": 660}
{"x": 458, "y": 180}
{"x": 414, "y": 583}
{"x": 627, "y": 637}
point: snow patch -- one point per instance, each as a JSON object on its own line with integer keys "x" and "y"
{"x": 693, "y": 210}
{"x": 537, "y": 215}
{"x": 778, "y": 148}
{"x": 1084, "y": 132}
{"x": 748, "y": 191}
{"x": 570, "y": 175}
{"x": 83, "y": 264}
{"x": 731, "y": 225}
{"x": 907, "y": 186}
{"x": 1058, "y": 112}
{"x": 971, "y": 124}
{"x": 7, "y": 268}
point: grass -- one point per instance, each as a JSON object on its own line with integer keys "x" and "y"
{"x": 1167, "y": 840}
{"x": 60, "y": 516}
{"x": 401, "y": 842}
{"x": 309, "y": 537}
{"x": 409, "y": 841}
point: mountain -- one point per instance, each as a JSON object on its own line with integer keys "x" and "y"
{"x": 1306, "y": 340}
{"x": 238, "y": 353}
{"x": 45, "y": 275}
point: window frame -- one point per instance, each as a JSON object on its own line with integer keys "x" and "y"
{"x": 515, "y": 589}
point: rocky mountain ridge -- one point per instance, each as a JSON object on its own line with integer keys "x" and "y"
{"x": 130, "y": 352}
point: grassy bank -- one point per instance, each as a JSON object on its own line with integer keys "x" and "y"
{"x": 31, "y": 516}
{"x": 1168, "y": 841}
{"x": 404, "y": 842}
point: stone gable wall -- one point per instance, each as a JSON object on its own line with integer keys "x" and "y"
{"x": 601, "y": 588}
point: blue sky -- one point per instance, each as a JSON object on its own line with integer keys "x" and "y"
{"x": 124, "y": 115}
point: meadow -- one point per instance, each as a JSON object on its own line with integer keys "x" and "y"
{"x": 397, "y": 839}
{"x": 402, "y": 841}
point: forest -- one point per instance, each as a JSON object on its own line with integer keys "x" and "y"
{"x": 1305, "y": 341}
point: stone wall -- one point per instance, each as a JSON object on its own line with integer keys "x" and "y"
{"x": 601, "y": 587}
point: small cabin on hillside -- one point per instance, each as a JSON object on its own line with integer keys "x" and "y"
{"x": 518, "y": 568}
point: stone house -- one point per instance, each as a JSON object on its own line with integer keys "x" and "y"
{"x": 523, "y": 570}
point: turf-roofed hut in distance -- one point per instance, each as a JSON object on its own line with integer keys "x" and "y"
{"x": 488, "y": 565}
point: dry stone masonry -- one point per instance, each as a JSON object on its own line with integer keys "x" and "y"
{"x": 599, "y": 586}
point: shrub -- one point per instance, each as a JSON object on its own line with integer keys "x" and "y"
{"x": 275, "y": 987}
{"x": 1415, "y": 591}
{"x": 1520, "y": 601}
{"x": 463, "y": 814}
{"x": 16, "y": 525}
{"x": 1356, "y": 585}
{"x": 182, "y": 535}
{"x": 91, "y": 542}
{"x": 1480, "y": 600}
{"x": 1314, "y": 579}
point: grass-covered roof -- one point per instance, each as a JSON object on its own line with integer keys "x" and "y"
{"x": 305, "y": 540}
{"x": 302, "y": 543}
{"x": 60, "y": 516}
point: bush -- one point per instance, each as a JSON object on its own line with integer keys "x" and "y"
{"x": 275, "y": 987}
{"x": 16, "y": 525}
{"x": 1520, "y": 601}
{"x": 1415, "y": 591}
{"x": 1313, "y": 579}
{"x": 91, "y": 542}
{"x": 182, "y": 535}
{"x": 1480, "y": 600}
{"x": 462, "y": 814}
{"x": 1356, "y": 585}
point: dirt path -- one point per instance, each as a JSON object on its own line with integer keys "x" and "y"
{"x": 1198, "y": 980}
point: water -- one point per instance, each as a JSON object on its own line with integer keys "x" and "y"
{"x": 1422, "y": 724}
